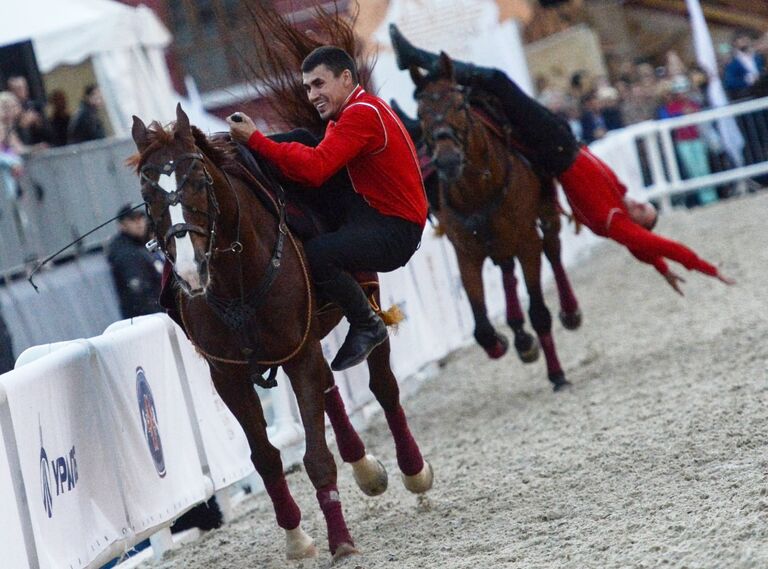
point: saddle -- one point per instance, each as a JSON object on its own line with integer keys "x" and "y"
{"x": 305, "y": 216}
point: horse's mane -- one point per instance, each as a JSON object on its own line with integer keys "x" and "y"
{"x": 282, "y": 47}
{"x": 219, "y": 151}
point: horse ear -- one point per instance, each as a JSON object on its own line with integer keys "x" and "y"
{"x": 416, "y": 76}
{"x": 445, "y": 65}
{"x": 139, "y": 133}
{"x": 182, "y": 123}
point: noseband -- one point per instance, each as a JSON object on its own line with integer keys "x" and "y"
{"x": 175, "y": 198}
{"x": 438, "y": 117}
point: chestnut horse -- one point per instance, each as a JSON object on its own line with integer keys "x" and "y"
{"x": 490, "y": 202}
{"x": 247, "y": 302}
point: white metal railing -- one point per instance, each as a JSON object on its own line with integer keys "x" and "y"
{"x": 646, "y": 155}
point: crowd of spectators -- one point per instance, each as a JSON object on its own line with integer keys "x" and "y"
{"x": 640, "y": 91}
{"x": 26, "y": 125}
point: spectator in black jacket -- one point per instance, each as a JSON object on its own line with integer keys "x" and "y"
{"x": 136, "y": 272}
{"x": 86, "y": 124}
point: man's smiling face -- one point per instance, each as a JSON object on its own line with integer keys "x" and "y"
{"x": 327, "y": 92}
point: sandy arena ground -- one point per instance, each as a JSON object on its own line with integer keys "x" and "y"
{"x": 657, "y": 457}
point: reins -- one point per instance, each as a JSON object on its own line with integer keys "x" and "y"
{"x": 238, "y": 312}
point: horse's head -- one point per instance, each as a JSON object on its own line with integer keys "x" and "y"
{"x": 444, "y": 114}
{"x": 181, "y": 204}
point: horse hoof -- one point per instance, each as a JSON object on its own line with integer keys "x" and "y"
{"x": 559, "y": 383}
{"x": 421, "y": 482}
{"x": 571, "y": 320}
{"x": 344, "y": 550}
{"x": 298, "y": 545}
{"x": 530, "y": 354}
{"x": 499, "y": 348}
{"x": 370, "y": 475}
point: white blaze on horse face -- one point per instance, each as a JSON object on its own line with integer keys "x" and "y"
{"x": 184, "y": 264}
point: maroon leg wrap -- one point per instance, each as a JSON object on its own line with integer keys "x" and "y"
{"x": 286, "y": 511}
{"x": 548, "y": 345}
{"x": 568, "y": 302}
{"x": 514, "y": 311}
{"x": 350, "y": 446}
{"x": 409, "y": 457}
{"x": 330, "y": 504}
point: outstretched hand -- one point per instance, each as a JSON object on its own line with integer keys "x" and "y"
{"x": 727, "y": 280}
{"x": 674, "y": 281}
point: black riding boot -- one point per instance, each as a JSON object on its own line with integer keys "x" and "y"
{"x": 366, "y": 329}
{"x": 408, "y": 54}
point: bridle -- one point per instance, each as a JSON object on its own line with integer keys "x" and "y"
{"x": 439, "y": 117}
{"x": 176, "y": 197}
{"x": 236, "y": 312}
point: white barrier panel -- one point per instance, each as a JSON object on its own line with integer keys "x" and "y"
{"x": 158, "y": 463}
{"x": 67, "y": 458}
{"x": 410, "y": 348}
{"x": 226, "y": 448}
{"x": 435, "y": 280}
{"x": 225, "y": 453}
{"x": 13, "y": 550}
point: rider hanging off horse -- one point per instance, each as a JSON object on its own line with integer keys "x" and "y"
{"x": 597, "y": 197}
{"x": 382, "y": 220}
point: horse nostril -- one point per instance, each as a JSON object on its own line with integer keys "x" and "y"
{"x": 445, "y": 161}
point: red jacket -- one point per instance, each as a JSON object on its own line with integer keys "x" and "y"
{"x": 597, "y": 199}
{"x": 372, "y": 143}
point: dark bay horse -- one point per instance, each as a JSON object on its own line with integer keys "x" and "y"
{"x": 247, "y": 302}
{"x": 490, "y": 202}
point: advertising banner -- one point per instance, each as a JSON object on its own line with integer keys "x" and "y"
{"x": 67, "y": 457}
{"x": 158, "y": 465}
{"x": 14, "y": 552}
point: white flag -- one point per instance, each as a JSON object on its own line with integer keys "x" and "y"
{"x": 733, "y": 141}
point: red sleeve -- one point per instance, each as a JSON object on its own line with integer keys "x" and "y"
{"x": 358, "y": 131}
{"x": 658, "y": 262}
{"x": 648, "y": 247}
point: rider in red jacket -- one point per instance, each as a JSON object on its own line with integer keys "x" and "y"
{"x": 596, "y": 195}
{"x": 600, "y": 202}
{"x": 383, "y": 219}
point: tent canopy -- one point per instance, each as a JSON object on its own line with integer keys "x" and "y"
{"x": 125, "y": 45}
{"x": 72, "y": 31}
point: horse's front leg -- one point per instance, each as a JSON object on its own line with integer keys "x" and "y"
{"x": 541, "y": 319}
{"x": 307, "y": 372}
{"x": 525, "y": 344}
{"x": 549, "y": 221}
{"x": 237, "y": 392}
{"x": 471, "y": 270}
{"x": 369, "y": 472}
{"x": 417, "y": 473}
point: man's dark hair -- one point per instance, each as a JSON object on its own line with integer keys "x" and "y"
{"x": 334, "y": 58}
{"x": 89, "y": 89}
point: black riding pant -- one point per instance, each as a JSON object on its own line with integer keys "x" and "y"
{"x": 552, "y": 146}
{"x": 364, "y": 240}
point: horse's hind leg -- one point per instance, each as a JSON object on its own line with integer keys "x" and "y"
{"x": 526, "y": 345}
{"x": 369, "y": 472}
{"x": 238, "y": 394}
{"x": 306, "y": 372}
{"x": 541, "y": 319}
{"x": 549, "y": 221}
{"x": 471, "y": 270}
{"x": 417, "y": 473}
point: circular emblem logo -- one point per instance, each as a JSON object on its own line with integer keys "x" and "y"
{"x": 149, "y": 422}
